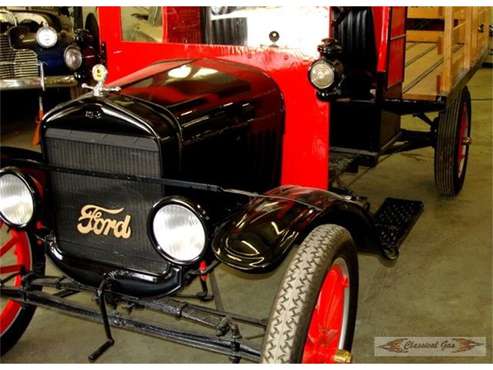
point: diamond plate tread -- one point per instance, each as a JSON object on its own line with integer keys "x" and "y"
{"x": 394, "y": 220}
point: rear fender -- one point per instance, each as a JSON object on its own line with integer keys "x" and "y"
{"x": 258, "y": 237}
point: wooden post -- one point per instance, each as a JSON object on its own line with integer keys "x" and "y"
{"x": 474, "y": 38}
{"x": 446, "y": 80}
{"x": 483, "y": 22}
{"x": 468, "y": 39}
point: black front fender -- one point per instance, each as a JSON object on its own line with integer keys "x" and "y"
{"x": 27, "y": 161}
{"x": 19, "y": 157}
{"x": 257, "y": 238}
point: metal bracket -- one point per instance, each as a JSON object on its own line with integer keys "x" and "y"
{"x": 42, "y": 76}
{"x": 233, "y": 346}
{"x": 104, "y": 315}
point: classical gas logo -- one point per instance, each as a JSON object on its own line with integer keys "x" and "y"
{"x": 103, "y": 221}
{"x": 430, "y": 346}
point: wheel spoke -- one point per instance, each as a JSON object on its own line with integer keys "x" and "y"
{"x": 325, "y": 330}
{"x": 10, "y": 269}
{"x": 316, "y": 332}
{"x": 332, "y": 300}
{"x": 13, "y": 263}
{"x": 9, "y": 244}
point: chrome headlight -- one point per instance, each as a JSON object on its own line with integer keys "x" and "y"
{"x": 178, "y": 230}
{"x": 73, "y": 57}
{"x": 322, "y": 74}
{"x": 46, "y": 37}
{"x": 16, "y": 199}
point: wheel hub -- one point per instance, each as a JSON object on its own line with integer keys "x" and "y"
{"x": 342, "y": 357}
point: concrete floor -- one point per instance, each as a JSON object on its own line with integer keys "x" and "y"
{"x": 440, "y": 286}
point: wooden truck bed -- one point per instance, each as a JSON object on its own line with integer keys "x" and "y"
{"x": 451, "y": 42}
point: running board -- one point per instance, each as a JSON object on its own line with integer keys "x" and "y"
{"x": 393, "y": 221}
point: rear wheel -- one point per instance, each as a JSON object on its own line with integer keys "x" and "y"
{"x": 17, "y": 252}
{"x": 314, "y": 313}
{"x": 452, "y": 147}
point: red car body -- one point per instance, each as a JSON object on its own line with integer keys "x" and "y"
{"x": 305, "y": 159}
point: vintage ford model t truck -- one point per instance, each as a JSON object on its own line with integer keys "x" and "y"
{"x": 220, "y": 154}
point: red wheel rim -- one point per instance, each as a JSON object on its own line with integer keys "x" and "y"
{"x": 462, "y": 144}
{"x": 15, "y": 254}
{"x": 327, "y": 330}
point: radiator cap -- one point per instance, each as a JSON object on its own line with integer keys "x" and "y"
{"x": 99, "y": 73}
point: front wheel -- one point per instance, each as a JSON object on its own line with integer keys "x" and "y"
{"x": 314, "y": 313}
{"x": 17, "y": 252}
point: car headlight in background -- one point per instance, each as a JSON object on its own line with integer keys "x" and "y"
{"x": 73, "y": 57}
{"x": 178, "y": 231}
{"x": 322, "y": 74}
{"x": 16, "y": 199}
{"x": 46, "y": 37}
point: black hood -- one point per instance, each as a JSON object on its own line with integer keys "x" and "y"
{"x": 217, "y": 121}
{"x": 191, "y": 87}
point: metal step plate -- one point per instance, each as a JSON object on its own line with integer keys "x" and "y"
{"x": 394, "y": 220}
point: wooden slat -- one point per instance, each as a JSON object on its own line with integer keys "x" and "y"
{"x": 459, "y": 12}
{"x": 418, "y": 51}
{"x": 423, "y": 36}
{"x": 410, "y": 45}
{"x": 424, "y": 12}
{"x": 414, "y": 71}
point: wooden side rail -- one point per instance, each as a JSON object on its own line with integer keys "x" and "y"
{"x": 428, "y": 12}
{"x": 461, "y": 37}
{"x": 467, "y": 26}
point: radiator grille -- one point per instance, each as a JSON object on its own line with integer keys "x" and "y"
{"x": 16, "y": 63}
{"x": 71, "y": 192}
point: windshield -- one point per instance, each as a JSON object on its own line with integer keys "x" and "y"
{"x": 285, "y": 27}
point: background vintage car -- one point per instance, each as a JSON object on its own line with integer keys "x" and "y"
{"x": 40, "y": 49}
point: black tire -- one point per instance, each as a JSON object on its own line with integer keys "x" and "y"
{"x": 221, "y": 10}
{"x": 355, "y": 32}
{"x": 449, "y": 179}
{"x": 12, "y": 335}
{"x": 92, "y": 26}
{"x": 292, "y": 309}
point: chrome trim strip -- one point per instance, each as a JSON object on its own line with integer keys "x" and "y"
{"x": 37, "y": 82}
